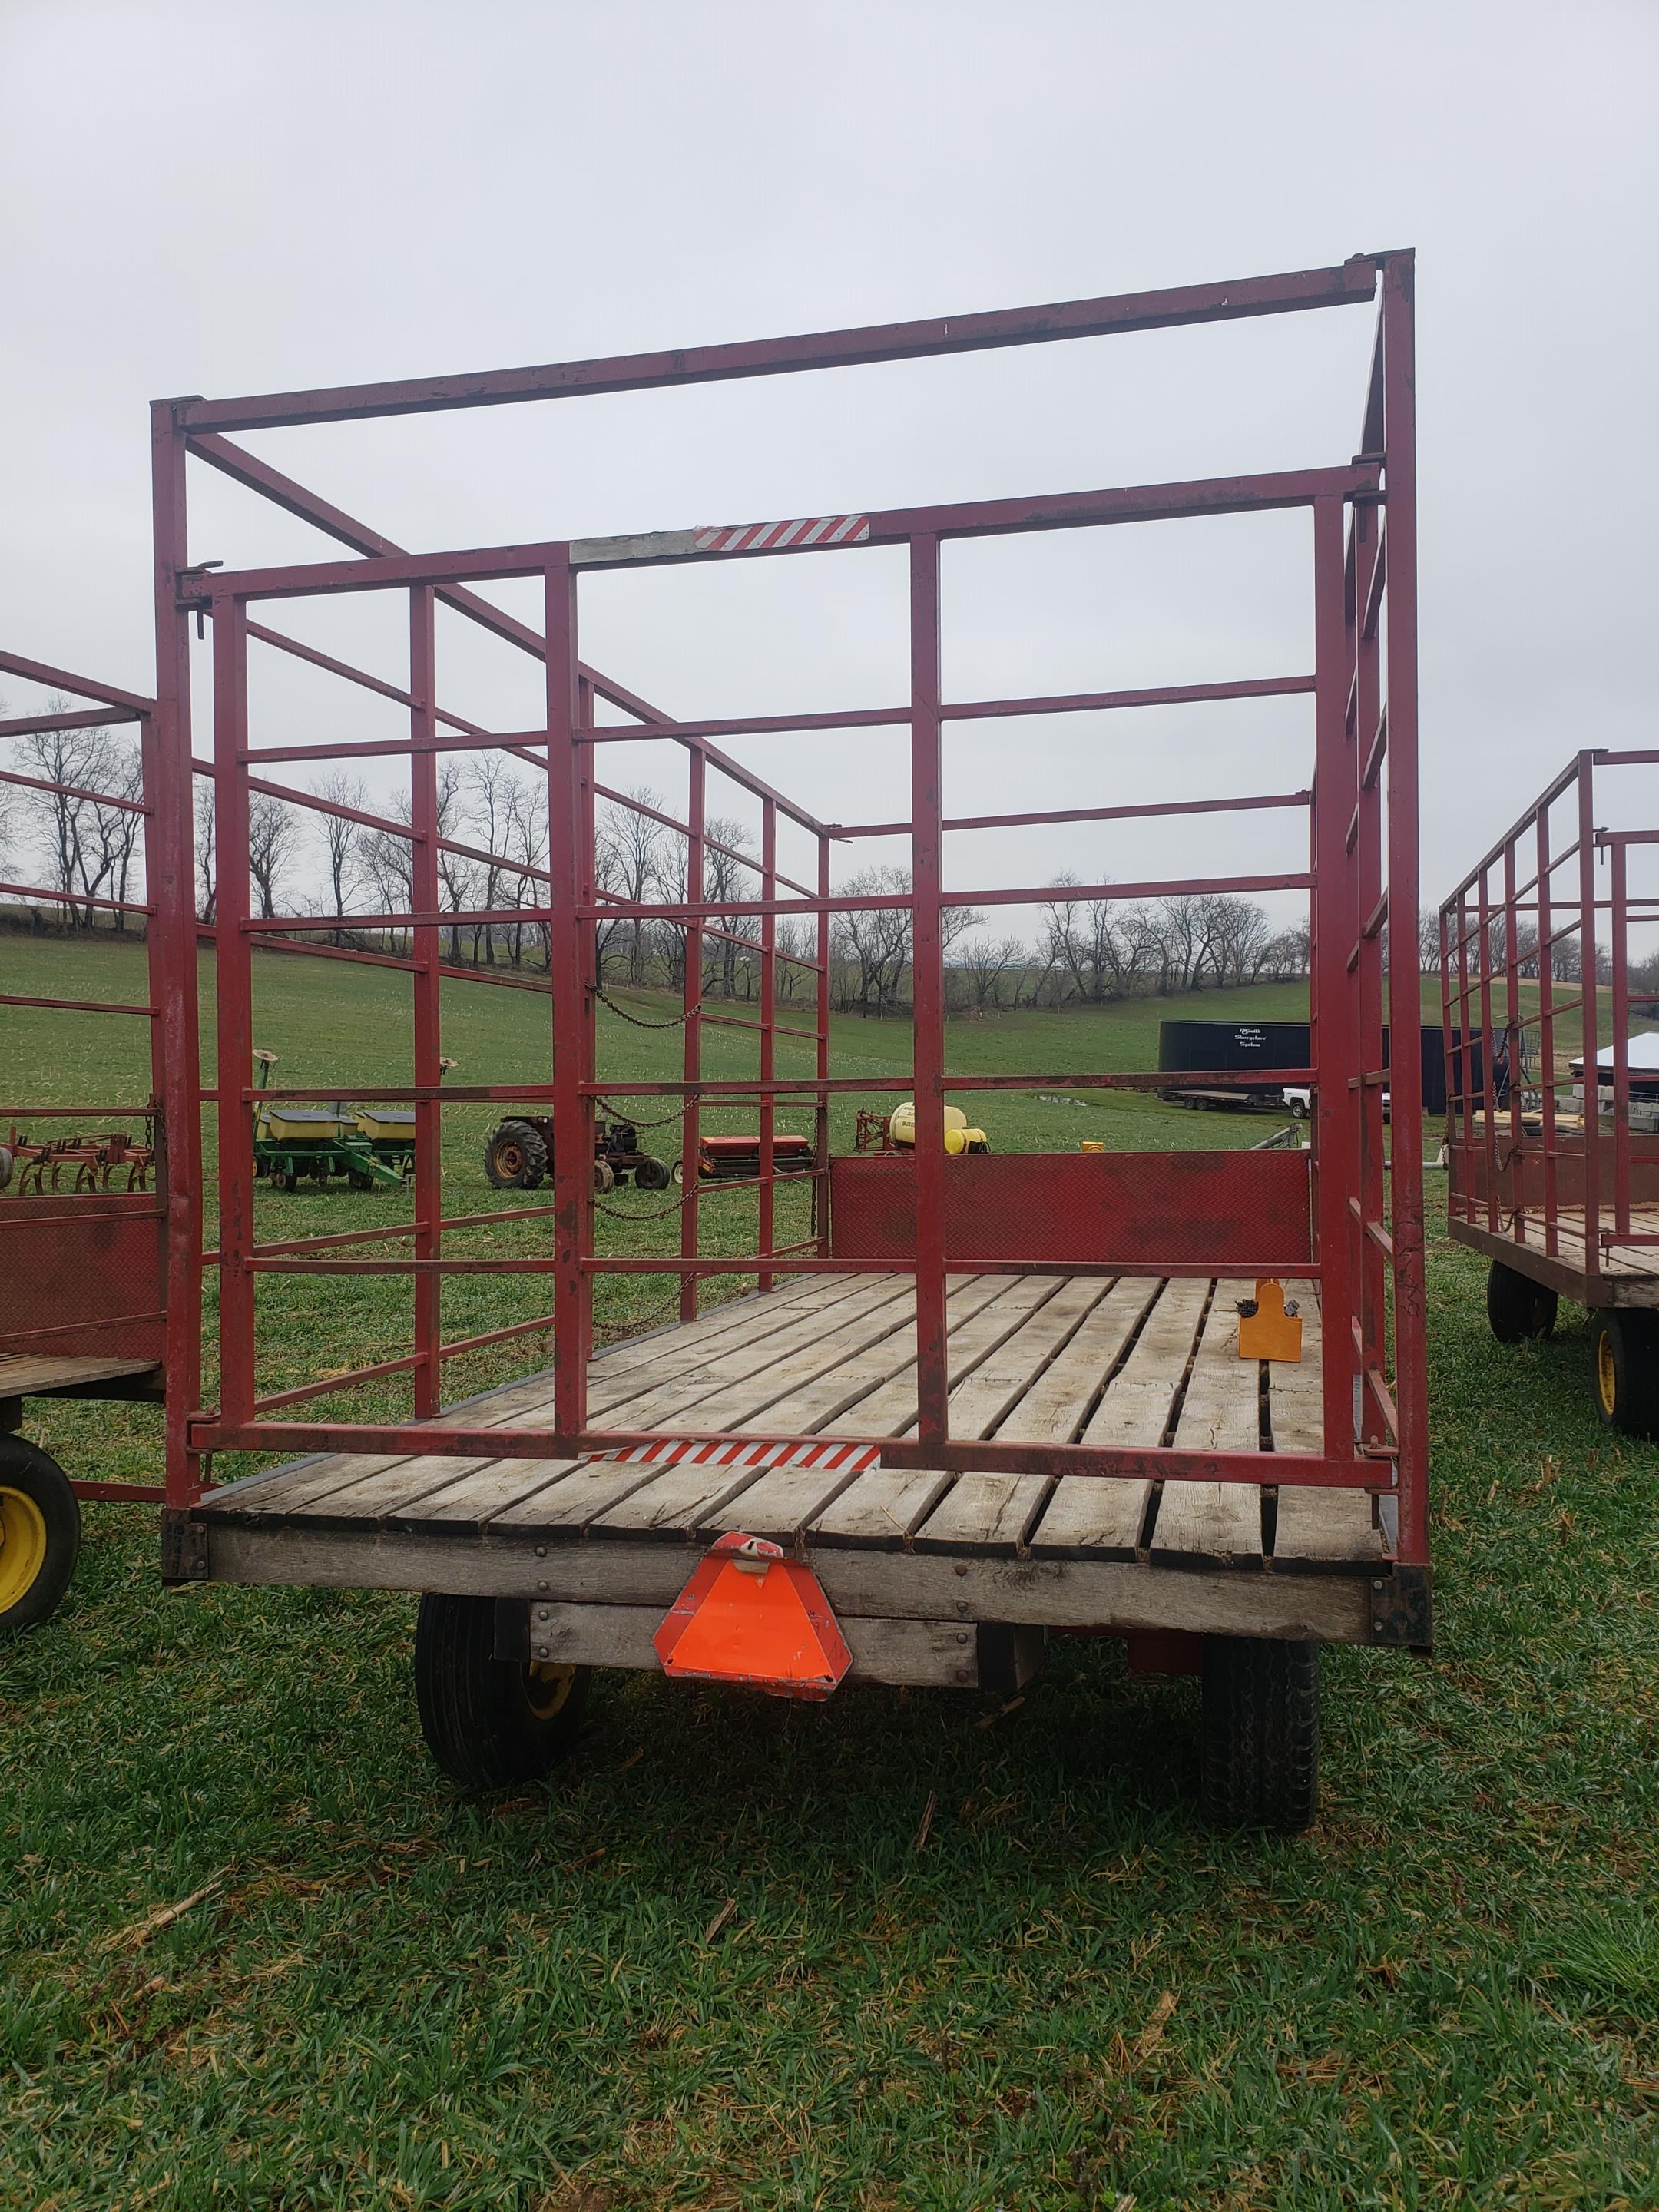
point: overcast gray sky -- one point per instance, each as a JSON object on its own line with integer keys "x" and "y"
{"x": 248, "y": 198}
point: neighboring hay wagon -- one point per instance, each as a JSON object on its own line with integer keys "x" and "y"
{"x": 1555, "y": 1178}
{"x": 977, "y": 1405}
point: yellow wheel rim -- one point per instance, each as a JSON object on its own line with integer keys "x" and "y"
{"x": 22, "y": 1547}
{"x": 546, "y": 1686}
{"x": 1606, "y": 1375}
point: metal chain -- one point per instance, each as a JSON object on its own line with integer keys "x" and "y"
{"x": 634, "y": 1120}
{"x": 657, "y": 1213}
{"x": 638, "y": 1020}
{"x": 632, "y": 1323}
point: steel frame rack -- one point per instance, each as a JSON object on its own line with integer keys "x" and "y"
{"x": 96, "y": 1288}
{"x": 1567, "y": 1202}
{"x": 1350, "y": 1224}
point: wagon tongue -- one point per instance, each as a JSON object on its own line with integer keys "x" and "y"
{"x": 749, "y": 1614}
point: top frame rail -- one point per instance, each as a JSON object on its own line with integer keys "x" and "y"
{"x": 1351, "y": 283}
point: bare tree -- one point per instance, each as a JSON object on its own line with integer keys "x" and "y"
{"x": 628, "y": 848}
{"x": 273, "y": 837}
{"x": 341, "y": 837}
{"x": 985, "y": 961}
{"x": 207, "y": 881}
{"x": 89, "y": 845}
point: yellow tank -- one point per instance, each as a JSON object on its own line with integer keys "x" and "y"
{"x": 902, "y": 1128}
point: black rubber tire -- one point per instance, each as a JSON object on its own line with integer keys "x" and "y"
{"x": 1298, "y": 1109}
{"x": 282, "y": 1179}
{"x": 358, "y": 1180}
{"x": 479, "y": 1714}
{"x": 516, "y": 1157}
{"x": 24, "y": 1468}
{"x": 5, "y": 1166}
{"x": 1625, "y": 1370}
{"x": 1260, "y": 1733}
{"x": 1518, "y": 1308}
{"x": 653, "y": 1174}
{"x": 604, "y": 1178}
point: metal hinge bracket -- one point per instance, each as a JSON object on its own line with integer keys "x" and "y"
{"x": 183, "y": 1548}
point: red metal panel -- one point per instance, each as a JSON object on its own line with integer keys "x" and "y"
{"x": 84, "y": 1274}
{"x": 1232, "y": 1213}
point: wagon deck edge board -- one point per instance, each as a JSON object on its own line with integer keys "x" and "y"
{"x": 1628, "y": 1277}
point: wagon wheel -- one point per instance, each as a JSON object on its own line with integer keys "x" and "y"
{"x": 39, "y": 1534}
{"x": 489, "y": 1721}
{"x": 515, "y": 1156}
{"x": 1624, "y": 1343}
{"x": 1260, "y": 1733}
{"x": 1518, "y": 1307}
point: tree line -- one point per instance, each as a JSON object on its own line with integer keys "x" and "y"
{"x": 493, "y": 823}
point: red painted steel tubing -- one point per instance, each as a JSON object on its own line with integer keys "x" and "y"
{"x": 1350, "y": 284}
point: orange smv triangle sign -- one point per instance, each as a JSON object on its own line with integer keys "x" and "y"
{"x": 749, "y": 1616}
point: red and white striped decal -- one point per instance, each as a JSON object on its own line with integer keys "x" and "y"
{"x": 773, "y": 536}
{"x": 741, "y": 1452}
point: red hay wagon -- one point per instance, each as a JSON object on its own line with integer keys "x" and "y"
{"x": 98, "y": 1251}
{"x": 974, "y": 1404}
{"x": 1553, "y": 1168}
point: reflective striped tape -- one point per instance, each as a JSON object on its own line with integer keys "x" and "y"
{"x": 741, "y": 1452}
{"x": 773, "y": 536}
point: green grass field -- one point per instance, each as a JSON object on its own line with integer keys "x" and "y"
{"x": 1064, "y": 1993}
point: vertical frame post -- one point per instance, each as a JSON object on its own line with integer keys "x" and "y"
{"x": 821, "y": 1116}
{"x": 1367, "y": 870}
{"x": 1405, "y": 983}
{"x": 769, "y": 1057}
{"x": 234, "y": 972}
{"x": 573, "y": 1065}
{"x": 426, "y": 951}
{"x": 170, "y": 873}
{"x": 927, "y": 990}
{"x": 1546, "y": 1027}
{"x": 1616, "y": 946}
{"x": 1590, "y": 1025}
{"x": 692, "y": 992}
{"x": 1337, "y": 1065}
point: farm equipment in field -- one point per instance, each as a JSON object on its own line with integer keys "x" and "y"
{"x": 518, "y": 1155}
{"x": 737, "y": 1159}
{"x": 370, "y": 1147}
{"x": 896, "y": 1132}
{"x": 111, "y": 1161}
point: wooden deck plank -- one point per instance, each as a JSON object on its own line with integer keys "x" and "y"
{"x": 1093, "y": 1516}
{"x": 680, "y": 1499}
{"x": 721, "y": 1393}
{"x": 1136, "y": 1408}
{"x": 1295, "y": 1396}
{"x": 738, "y": 1320}
{"x": 1221, "y": 1411}
{"x": 782, "y": 1504}
{"x": 764, "y": 1374}
{"x": 890, "y": 1410}
{"x": 568, "y": 1504}
{"x": 883, "y": 1507}
{"x": 486, "y": 1488}
{"x": 805, "y": 1411}
{"x": 1318, "y": 1527}
{"x": 1062, "y": 1397}
{"x": 979, "y": 1400}
{"x": 28, "y": 1374}
{"x": 984, "y": 1513}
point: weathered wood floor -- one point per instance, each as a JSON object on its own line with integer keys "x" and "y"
{"x": 1631, "y": 1270}
{"x": 1133, "y": 1363}
{"x": 40, "y": 1375}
